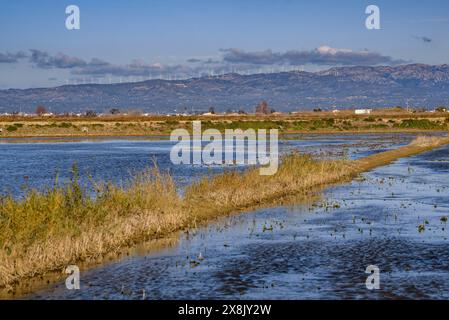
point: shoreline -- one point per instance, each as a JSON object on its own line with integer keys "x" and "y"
{"x": 161, "y": 126}
{"x": 153, "y": 136}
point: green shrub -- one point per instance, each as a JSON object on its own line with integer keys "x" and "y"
{"x": 419, "y": 124}
{"x": 299, "y": 125}
{"x": 11, "y": 128}
{"x": 326, "y": 123}
{"x": 65, "y": 125}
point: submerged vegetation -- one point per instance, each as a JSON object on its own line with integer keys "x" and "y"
{"x": 48, "y": 230}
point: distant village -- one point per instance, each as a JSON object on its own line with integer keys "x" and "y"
{"x": 261, "y": 109}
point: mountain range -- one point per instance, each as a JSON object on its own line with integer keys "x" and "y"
{"x": 419, "y": 85}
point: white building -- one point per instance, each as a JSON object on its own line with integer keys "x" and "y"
{"x": 363, "y": 111}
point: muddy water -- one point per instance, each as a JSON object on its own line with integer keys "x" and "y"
{"x": 317, "y": 251}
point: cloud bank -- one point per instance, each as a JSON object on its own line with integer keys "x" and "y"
{"x": 12, "y": 57}
{"x": 231, "y": 60}
{"x": 44, "y": 60}
{"x": 323, "y": 55}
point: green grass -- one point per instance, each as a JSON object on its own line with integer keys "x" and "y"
{"x": 424, "y": 124}
{"x": 11, "y": 128}
{"x": 65, "y": 125}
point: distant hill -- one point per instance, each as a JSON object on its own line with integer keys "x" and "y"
{"x": 343, "y": 87}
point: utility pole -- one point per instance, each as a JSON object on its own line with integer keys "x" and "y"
{"x": 408, "y": 105}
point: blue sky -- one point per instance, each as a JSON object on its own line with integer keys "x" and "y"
{"x": 138, "y": 39}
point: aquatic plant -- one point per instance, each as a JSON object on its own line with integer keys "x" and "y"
{"x": 421, "y": 228}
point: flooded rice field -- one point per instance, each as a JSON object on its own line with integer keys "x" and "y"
{"x": 35, "y": 163}
{"x": 393, "y": 217}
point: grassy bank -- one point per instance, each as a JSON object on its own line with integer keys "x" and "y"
{"x": 51, "y": 229}
{"x": 55, "y": 127}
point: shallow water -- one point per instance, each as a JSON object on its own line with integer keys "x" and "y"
{"x": 35, "y": 163}
{"x": 317, "y": 251}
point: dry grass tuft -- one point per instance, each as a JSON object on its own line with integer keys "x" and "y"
{"x": 423, "y": 141}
